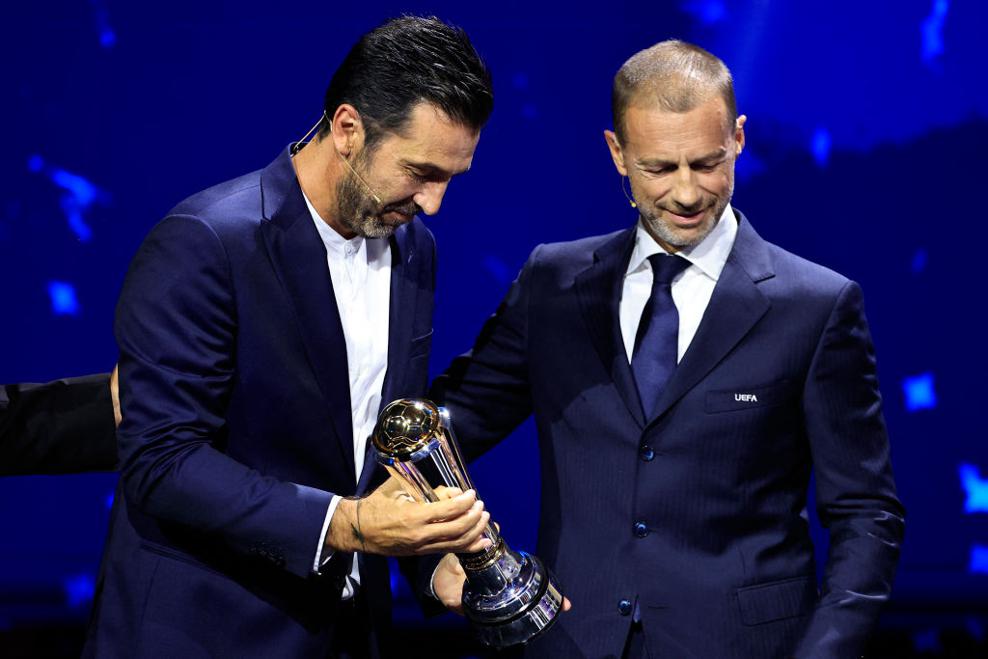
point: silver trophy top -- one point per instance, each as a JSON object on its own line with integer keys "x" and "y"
{"x": 406, "y": 426}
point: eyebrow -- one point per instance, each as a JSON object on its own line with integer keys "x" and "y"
{"x": 430, "y": 170}
{"x": 659, "y": 162}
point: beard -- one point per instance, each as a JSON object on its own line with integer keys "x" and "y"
{"x": 683, "y": 238}
{"x": 359, "y": 213}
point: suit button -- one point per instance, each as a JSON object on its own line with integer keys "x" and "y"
{"x": 646, "y": 453}
{"x": 640, "y": 529}
{"x": 624, "y": 607}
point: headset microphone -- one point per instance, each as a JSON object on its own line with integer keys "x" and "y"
{"x": 624, "y": 181}
{"x": 302, "y": 142}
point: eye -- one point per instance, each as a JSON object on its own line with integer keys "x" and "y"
{"x": 706, "y": 166}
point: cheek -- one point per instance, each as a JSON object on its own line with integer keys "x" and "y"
{"x": 650, "y": 189}
{"x": 716, "y": 183}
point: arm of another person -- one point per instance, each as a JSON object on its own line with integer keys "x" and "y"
{"x": 62, "y": 427}
{"x": 488, "y": 395}
{"x": 856, "y": 497}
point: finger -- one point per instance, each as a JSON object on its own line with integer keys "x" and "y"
{"x": 447, "y": 492}
{"x": 450, "y": 509}
{"x": 566, "y": 604}
{"x": 452, "y": 537}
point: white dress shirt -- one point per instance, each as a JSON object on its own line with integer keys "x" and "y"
{"x": 360, "y": 269}
{"x": 691, "y": 289}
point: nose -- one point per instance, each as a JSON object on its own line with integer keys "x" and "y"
{"x": 685, "y": 192}
{"x": 430, "y": 197}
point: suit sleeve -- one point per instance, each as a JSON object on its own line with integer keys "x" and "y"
{"x": 856, "y": 497}
{"x": 487, "y": 389}
{"x": 62, "y": 427}
{"x": 176, "y": 329}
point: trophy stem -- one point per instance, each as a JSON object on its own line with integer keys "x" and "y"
{"x": 510, "y": 597}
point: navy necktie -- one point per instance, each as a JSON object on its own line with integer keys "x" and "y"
{"x": 657, "y": 340}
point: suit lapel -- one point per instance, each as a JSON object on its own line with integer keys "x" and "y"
{"x": 299, "y": 259}
{"x": 401, "y": 312}
{"x": 734, "y": 308}
{"x": 599, "y": 290}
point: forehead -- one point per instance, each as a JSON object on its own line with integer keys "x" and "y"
{"x": 650, "y": 128}
{"x": 431, "y": 137}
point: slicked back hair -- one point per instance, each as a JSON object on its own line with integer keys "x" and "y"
{"x": 675, "y": 75}
{"x": 402, "y": 62}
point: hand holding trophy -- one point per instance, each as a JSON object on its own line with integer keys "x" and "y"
{"x": 509, "y": 597}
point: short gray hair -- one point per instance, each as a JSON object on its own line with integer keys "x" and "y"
{"x": 677, "y": 76}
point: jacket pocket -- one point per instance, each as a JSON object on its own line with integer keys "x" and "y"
{"x": 777, "y": 600}
{"x": 745, "y": 398}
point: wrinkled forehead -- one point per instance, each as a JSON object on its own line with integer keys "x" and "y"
{"x": 649, "y": 127}
{"x": 680, "y": 96}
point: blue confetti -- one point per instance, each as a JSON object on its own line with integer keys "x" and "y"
{"x": 932, "y": 30}
{"x": 63, "y": 299}
{"x": 79, "y": 195}
{"x": 35, "y": 163}
{"x": 107, "y": 37}
{"x": 79, "y": 589}
{"x": 927, "y": 641}
{"x": 976, "y": 489}
{"x": 707, "y": 12}
{"x": 820, "y": 146}
{"x": 979, "y": 560}
{"x": 975, "y": 627}
{"x": 919, "y": 260}
{"x": 919, "y": 391}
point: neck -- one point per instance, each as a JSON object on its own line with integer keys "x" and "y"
{"x": 317, "y": 172}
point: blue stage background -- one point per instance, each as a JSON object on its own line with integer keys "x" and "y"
{"x": 867, "y": 138}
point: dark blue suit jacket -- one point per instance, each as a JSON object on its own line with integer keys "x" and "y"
{"x": 779, "y": 379}
{"x": 237, "y": 428}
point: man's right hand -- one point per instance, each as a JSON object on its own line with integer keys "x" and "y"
{"x": 390, "y": 522}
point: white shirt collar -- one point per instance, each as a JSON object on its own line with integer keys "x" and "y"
{"x": 709, "y": 256}
{"x": 335, "y": 243}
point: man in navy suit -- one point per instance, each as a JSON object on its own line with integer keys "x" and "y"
{"x": 686, "y": 377}
{"x": 261, "y": 326}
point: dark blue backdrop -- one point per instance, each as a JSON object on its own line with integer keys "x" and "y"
{"x": 867, "y": 137}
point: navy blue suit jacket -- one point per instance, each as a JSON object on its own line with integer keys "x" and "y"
{"x": 780, "y": 378}
{"x": 237, "y": 428}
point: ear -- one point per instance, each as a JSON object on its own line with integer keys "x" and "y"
{"x": 739, "y": 134}
{"x": 616, "y": 154}
{"x": 347, "y": 129}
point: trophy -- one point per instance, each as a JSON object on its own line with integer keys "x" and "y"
{"x": 509, "y": 597}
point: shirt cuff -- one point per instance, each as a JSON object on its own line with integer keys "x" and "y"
{"x": 431, "y": 589}
{"x": 320, "y": 561}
